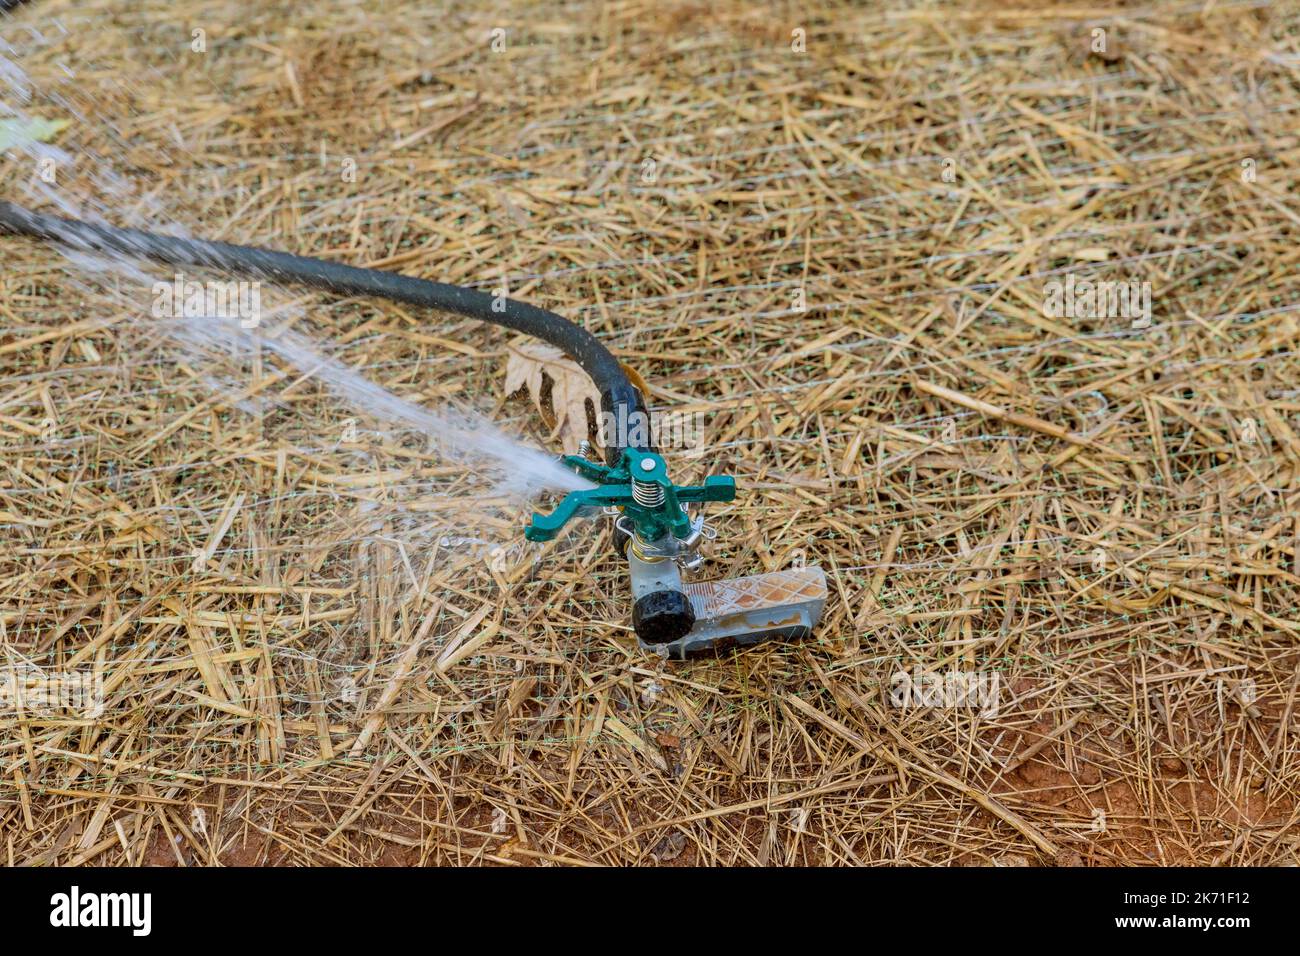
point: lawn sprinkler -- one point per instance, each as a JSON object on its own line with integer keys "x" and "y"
{"x": 660, "y": 539}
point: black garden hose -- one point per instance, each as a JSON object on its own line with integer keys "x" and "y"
{"x": 617, "y": 394}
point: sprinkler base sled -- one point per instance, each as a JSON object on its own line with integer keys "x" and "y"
{"x": 711, "y": 616}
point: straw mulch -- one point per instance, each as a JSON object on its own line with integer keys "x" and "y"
{"x": 322, "y": 647}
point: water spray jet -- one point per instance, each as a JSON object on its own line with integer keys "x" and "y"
{"x": 657, "y": 535}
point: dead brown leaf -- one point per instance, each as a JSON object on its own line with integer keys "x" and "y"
{"x": 531, "y": 364}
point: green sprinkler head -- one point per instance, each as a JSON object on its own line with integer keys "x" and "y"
{"x": 638, "y": 486}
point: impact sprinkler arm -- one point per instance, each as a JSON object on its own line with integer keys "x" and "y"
{"x": 639, "y": 486}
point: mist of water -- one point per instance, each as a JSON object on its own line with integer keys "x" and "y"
{"x": 461, "y": 436}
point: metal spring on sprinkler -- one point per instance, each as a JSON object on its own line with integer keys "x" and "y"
{"x": 647, "y": 493}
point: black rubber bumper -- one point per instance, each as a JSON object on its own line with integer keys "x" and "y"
{"x": 661, "y": 617}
